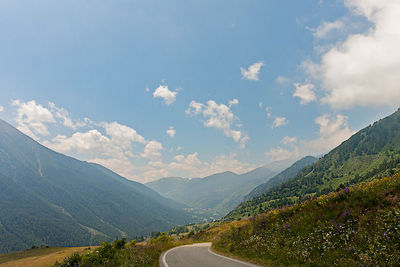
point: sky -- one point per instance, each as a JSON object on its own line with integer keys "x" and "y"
{"x": 155, "y": 88}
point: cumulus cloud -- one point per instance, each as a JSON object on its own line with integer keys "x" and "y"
{"x": 112, "y": 149}
{"x": 364, "y": 69}
{"x": 152, "y": 151}
{"x": 333, "y": 130}
{"x": 233, "y": 102}
{"x": 64, "y": 115}
{"x": 1, "y": 108}
{"x": 252, "y": 72}
{"x": 122, "y": 135}
{"x": 326, "y": 28}
{"x": 171, "y": 131}
{"x": 279, "y": 121}
{"x": 91, "y": 143}
{"x": 304, "y": 92}
{"x": 32, "y": 118}
{"x": 163, "y": 92}
{"x": 217, "y": 116}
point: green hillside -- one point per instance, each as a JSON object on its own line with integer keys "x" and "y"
{"x": 282, "y": 177}
{"x": 372, "y": 152}
{"x": 357, "y": 226}
{"x": 213, "y": 196}
{"x": 47, "y": 198}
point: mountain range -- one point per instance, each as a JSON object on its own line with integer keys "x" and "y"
{"x": 212, "y": 196}
{"x": 47, "y": 198}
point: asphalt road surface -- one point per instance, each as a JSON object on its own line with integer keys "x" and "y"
{"x": 198, "y": 255}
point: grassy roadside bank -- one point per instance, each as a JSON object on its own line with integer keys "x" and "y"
{"x": 356, "y": 226}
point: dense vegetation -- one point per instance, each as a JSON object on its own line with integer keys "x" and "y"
{"x": 47, "y": 198}
{"x": 281, "y": 177}
{"x": 370, "y": 153}
{"x": 356, "y": 226}
{"x": 122, "y": 253}
{"x": 214, "y": 196}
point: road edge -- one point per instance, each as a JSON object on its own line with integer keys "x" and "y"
{"x": 163, "y": 262}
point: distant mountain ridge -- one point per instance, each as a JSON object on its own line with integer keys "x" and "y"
{"x": 51, "y": 199}
{"x": 371, "y": 152}
{"x": 214, "y": 195}
{"x": 282, "y": 177}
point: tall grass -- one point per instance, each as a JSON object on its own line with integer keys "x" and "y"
{"x": 357, "y": 226}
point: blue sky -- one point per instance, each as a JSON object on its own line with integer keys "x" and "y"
{"x": 190, "y": 88}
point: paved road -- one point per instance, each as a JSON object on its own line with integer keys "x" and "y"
{"x": 198, "y": 255}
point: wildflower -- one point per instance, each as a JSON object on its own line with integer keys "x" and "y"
{"x": 263, "y": 223}
{"x": 345, "y": 213}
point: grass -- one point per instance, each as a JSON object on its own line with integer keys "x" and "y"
{"x": 122, "y": 253}
{"x": 357, "y": 226}
{"x": 39, "y": 256}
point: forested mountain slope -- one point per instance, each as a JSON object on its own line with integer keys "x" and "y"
{"x": 51, "y": 199}
{"x": 282, "y": 177}
{"x": 372, "y": 152}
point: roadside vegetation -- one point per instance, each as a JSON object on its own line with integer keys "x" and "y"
{"x": 123, "y": 253}
{"x": 355, "y": 226}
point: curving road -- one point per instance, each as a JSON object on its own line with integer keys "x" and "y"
{"x": 198, "y": 255}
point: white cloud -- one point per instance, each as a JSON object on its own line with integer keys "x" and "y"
{"x": 282, "y": 80}
{"x": 243, "y": 141}
{"x": 191, "y": 166}
{"x": 333, "y": 130}
{"x": 152, "y": 151}
{"x": 63, "y": 114}
{"x": 1, "y": 108}
{"x": 268, "y": 110}
{"x": 217, "y": 116}
{"x": 287, "y": 140}
{"x": 123, "y": 167}
{"x": 171, "y": 131}
{"x": 91, "y": 143}
{"x": 252, "y": 72}
{"x": 122, "y": 134}
{"x": 281, "y": 154}
{"x": 233, "y": 102}
{"x": 325, "y": 29}
{"x": 163, "y": 92}
{"x": 32, "y": 118}
{"x": 305, "y": 93}
{"x": 364, "y": 69}
{"x": 113, "y": 150}
{"x": 279, "y": 121}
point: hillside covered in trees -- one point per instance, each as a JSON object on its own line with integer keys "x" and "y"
{"x": 372, "y": 152}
